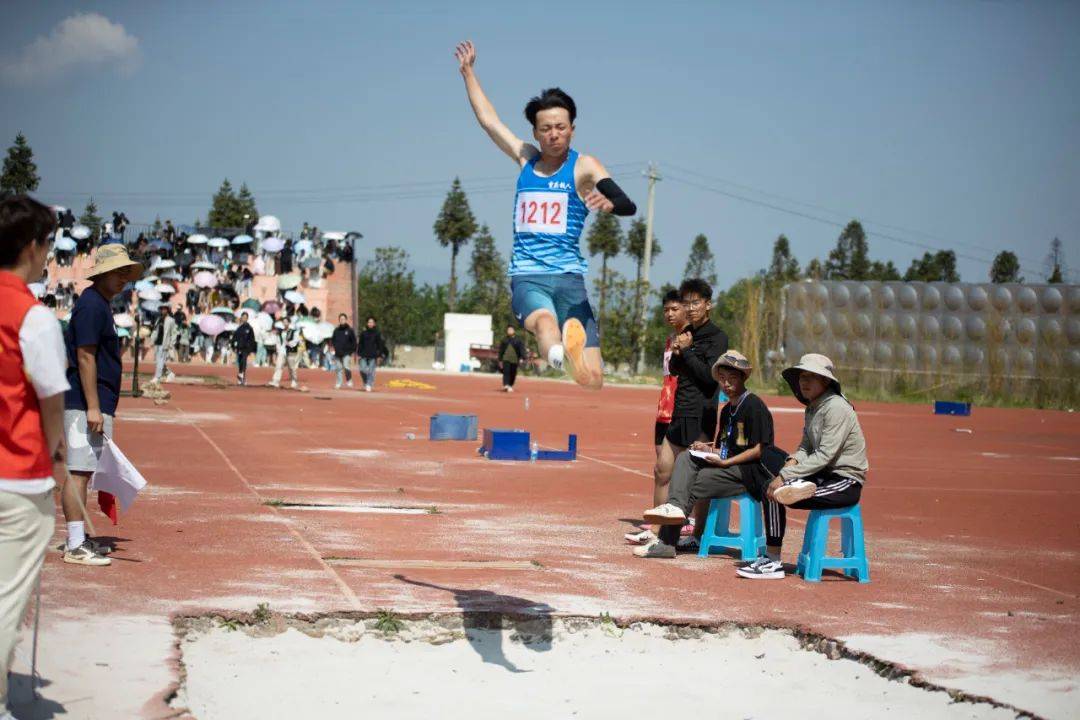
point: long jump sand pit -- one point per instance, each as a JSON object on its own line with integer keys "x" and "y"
{"x": 493, "y": 665}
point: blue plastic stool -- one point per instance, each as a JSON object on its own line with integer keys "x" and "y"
{"x": 812, "y": 558}
{"x": 750, "y": 537}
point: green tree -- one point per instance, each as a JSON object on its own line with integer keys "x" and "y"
{"x": 883, "y": 271}
{"x": 815, "y": 270}
{"x": 246, "y": 206}
{"x": 1006, "y": 268}
{"x": 605, "y": 239}
{"x": 783, "y": 267}
{"x": 386, "y": 289}
{"x": 20, "y": 172}
{"x": 620, "y": 321}
{"x": 635, "y": 244}
{"x": 156, "y": 227}
{"x": 700, "y": 263}
{"x": 454, "y": 226}
{"x": 92, "y": 220}
{"x": 850, "y": 259}
{"x": 225, "y": 208}
{"x": 1056, "y": 260}
{"x": 489, "y": 292}
{"x": 941, "y": 266}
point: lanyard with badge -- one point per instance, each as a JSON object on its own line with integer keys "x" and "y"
{"x": 731, "y": 426}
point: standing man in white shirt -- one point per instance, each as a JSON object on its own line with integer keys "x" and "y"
{"x": 32, "y": 386}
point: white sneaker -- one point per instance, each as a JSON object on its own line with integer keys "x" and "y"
{"x": 641, "y": 537}
{"x": 794, "y": 492}
{"x": 273, "y": 384}
{"x": 85, "y": 555}
{"x": 762, "y": 569}
{"x": 293, "y": 385}
{"x": 367, "y": 388}
{"x": 349, "y": 384}
{"x": 666, "y": 514}
{"x": 337, "y": 386}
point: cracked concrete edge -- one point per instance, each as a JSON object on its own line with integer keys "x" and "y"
{"x": 317, "y": 624}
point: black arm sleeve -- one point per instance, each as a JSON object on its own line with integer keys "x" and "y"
{"x": 614, "y": 193}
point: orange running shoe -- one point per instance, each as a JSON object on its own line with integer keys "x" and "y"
{"x": 573, "y": 337}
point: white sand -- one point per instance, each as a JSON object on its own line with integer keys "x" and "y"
{"x": 593, "y": 672}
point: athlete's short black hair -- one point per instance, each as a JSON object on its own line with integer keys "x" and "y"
{"x": 671, "y": 296}
{"x": 695, "y": 286}
{"x": 23, "y": 220}
{"x": 548, "y": 99}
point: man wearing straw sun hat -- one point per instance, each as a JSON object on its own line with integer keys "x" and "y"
{"x": 94, "y": 368}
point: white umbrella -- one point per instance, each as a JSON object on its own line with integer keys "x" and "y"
{"x": 204, "y": 265}
{"x": 242, "y": 240}
{"x": 165, "y": 288}
{"x": 230, "y": 327}
{"x": 144, "y": 285}
{"x": 268, "y": 223}
{"x": 263, "y": 322}
{"x": 162, "y": 265}
{"x": 205, "y": 279}
{"x": 294, "y": 297}
{"x": 151, "y": 294}
{"x": 64, "y": 244}
{"x": 123, "y": 320}
{"x": 302, "y": 246}
{"x": 312, "y": 333}
{"x": 273, "y": 244}
{"x": 333, "y": 235}
{"x": 80, "y": 232}
{"x": 198, "y": 239}
{"x": 151, "y": 305}
{"x": 172, "y": 275}
{"x": 218, "y": 242}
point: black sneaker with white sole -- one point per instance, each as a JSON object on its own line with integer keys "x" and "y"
{"x": 762, "y": 569}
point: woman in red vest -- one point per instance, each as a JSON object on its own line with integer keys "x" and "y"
{"x": 32, "y": 385}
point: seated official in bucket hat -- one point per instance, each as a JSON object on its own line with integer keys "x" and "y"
{"x": 94, "y": 368}
{"x": 829, "y": 468}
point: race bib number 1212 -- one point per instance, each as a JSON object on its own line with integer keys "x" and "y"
{"x": 540, "y": 212}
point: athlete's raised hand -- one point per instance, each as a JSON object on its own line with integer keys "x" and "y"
{"x": 465, "y": 53}
{"x": 595, "y": 201}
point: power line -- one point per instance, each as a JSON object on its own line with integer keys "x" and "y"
{"x": 826, "y": 221}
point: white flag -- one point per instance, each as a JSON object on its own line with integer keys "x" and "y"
{"x": 116, "y": 475}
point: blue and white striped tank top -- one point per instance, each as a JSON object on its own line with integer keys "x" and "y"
{"x": 548, "y": 218}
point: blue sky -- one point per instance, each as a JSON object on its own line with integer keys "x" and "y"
{"x": 946, "y": 124}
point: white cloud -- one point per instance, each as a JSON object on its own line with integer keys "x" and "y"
{"x": 80, "y": 42}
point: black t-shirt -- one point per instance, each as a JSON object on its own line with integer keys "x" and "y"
{"x": 742, "y": 425}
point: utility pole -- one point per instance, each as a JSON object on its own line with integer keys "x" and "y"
{"x": 354, "y": 281}
{"x": 653, "y": 176}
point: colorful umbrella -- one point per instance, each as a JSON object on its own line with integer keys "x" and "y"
{"x": 211, "y": 325}
{"x": 252, "y": 304}
{"x": 271, "y": 307}
{"x": 222, "y": 310}
{"x": 122, "y": 332}
{"x": 205, "y": 279}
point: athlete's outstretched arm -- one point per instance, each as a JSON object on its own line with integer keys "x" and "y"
{"x": 519, "y": 150}
{"x": 603, "y": 194}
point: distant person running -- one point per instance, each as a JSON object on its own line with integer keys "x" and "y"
{"x": 556, "y": 189}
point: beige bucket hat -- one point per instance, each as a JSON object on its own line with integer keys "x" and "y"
{"x": 817, "y": 364}
{"x": 735, "y": 360}
{"x": 114, "y": 256}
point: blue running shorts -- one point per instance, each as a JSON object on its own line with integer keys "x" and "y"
{"x": 562, "y": 294}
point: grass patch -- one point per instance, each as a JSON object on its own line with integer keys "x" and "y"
{"x": 262, "y": 613}
{"x": 387, "y": 622}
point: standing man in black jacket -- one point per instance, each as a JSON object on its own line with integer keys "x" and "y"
{"x": 693, "y": 353}
{"x": 372, "y": 350}
{"x": 344, "y": 342}
{"x": 243, "y": 341}
{"x": 511, "y": 353}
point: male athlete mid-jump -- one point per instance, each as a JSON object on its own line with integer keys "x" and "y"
{"x": 556, "y": 189}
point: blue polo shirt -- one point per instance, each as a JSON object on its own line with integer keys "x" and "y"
{"x": 91, "y": 323}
